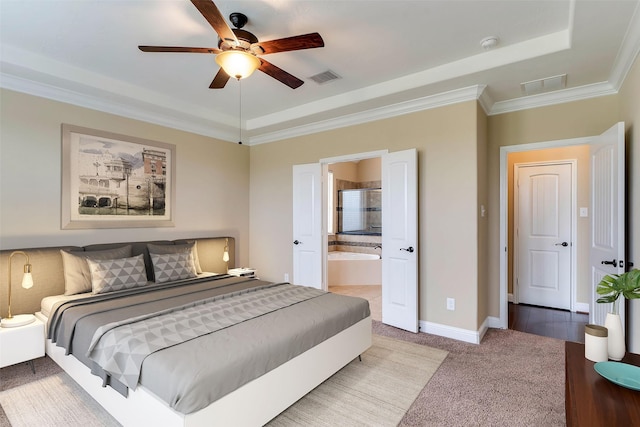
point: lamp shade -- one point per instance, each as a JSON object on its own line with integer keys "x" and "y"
{"x": 27, "y": 281}
{"x": 238, "y": 63}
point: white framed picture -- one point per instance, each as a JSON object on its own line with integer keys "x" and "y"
{"x": 115, "y": 181}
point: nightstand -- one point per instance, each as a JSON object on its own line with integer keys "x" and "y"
{"x": 242, "y": 272}
{"x": 22, "y": 344}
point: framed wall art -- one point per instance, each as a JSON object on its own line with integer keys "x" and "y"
{"x": 115, "y": 181}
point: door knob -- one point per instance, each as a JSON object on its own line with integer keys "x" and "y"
{"x": 565, "y": 244}
{"x": 296, "y": 242}
{"x": 409, "y": 249}
{"x": 614, "y": 263}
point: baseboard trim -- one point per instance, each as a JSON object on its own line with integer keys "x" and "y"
{"x": 493, "y": 322}
{"x": 452, "y": 332}
{"x": 582, "y": 307}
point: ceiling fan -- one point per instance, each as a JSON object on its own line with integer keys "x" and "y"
{"x": 238, "y": 49}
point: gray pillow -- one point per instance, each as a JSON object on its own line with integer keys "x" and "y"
{"x": 171, "y": 267}
{"x": 117, "y": 274}
{"x": 77, "y": 276}
{"x": 174, "y": 249}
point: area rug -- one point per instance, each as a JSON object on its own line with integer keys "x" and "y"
{"x": 376, "y": 391}
{"x": 53, "y": 401}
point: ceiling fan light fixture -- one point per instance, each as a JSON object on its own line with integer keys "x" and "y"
{"x": 238, "y": 63}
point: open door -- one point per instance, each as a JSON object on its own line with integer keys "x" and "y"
{"x": 307, "y": 225}
{"x": 607, "y": 252}
{"x": 400, "y": 240}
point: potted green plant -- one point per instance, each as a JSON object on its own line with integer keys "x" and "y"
{"x": 610, "y": 288}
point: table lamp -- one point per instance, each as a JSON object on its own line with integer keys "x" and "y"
{"x": 27, "y": 282}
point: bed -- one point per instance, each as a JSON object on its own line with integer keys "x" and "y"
{"x": 218, "y": 349}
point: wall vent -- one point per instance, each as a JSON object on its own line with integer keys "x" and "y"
{"x": 544, "y": 85}
{"x": 325, "y": 77}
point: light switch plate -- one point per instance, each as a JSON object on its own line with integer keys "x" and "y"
{"x": 584, "y": 212}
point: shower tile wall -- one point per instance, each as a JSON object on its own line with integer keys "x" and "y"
{"x": 351, "y": 243}
{"x": 354, "y": 243}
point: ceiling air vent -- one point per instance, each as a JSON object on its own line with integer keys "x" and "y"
{"x": 325, "y": 77}
{"x": 544, "y": 85}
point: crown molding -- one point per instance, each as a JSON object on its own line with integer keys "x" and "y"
{"x": 420, "y": 104}
{"x": 558, "y": 97}
{"x": 628, "y": 52}
{"x": 147, "y": 112}
{"x": 485, "y": 100}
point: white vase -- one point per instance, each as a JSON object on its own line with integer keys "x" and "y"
{"x": 615, "y": 339}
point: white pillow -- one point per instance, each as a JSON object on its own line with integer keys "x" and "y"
{"x": 117, "y": 274}
{"x": 77, "y": 276}
{"x": 171, "y": 267}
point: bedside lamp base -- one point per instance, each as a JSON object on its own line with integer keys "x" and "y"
{"x": 19, "y": 320}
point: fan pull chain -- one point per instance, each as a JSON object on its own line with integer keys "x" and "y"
{"x": 240, "y": 114}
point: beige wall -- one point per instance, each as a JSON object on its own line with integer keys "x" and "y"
{"x": 630, "y": 113}
{"x": 212, "y": 178}
{"x": 446, "y": 142}
{"x": 347, "y": 171}
{"x": 483, "y": 218}
{"x": 579, "y": 153}
{"x": 370, "y": 170}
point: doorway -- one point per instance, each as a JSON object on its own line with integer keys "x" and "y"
{"x": 543, "y": 229}
{"x": 399, "y": 240}
{"x": 354, "y": 230}
{"x": 554, "y": 151}
{"x": 606, "y": 213}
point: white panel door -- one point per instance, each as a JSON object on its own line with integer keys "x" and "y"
{"x": 607, "y": 254}
{"x": 543, "y": 232}
{"x": 400, "y": 239}
{"x": 307, "y": 225}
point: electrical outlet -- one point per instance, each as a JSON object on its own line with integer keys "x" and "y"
{"x": 286, "y": 277}
{"x": 451, "y": 304}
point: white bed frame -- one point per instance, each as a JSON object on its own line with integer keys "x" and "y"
{"x": 253, "y": 404}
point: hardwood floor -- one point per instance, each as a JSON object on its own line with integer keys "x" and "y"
{"x": 547, "y": 322}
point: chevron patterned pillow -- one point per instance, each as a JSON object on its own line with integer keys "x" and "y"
{"x": 117, "y": 274}
{"x": 171, "y": 267}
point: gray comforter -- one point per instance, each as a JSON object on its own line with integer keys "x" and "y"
{"x": 207, "y": 365}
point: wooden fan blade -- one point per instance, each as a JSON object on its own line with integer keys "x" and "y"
{"x": 212, "y": 14}
{"x": 220, "y": 80}
{"x": 279, "y": 74}
{"x": 179, "y": 49}
{"x": 305, "y": 41}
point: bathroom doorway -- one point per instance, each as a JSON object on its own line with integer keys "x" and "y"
{"x": 354, "y": 230}
{"x": 400, "y": 252}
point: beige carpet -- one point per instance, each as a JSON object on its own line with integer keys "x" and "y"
{"x": 511, "y": 379}
{"x": 375, "y": 392}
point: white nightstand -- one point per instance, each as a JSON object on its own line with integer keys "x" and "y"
{"x": 22, "y": 344}
{"x": 242, "y": 272}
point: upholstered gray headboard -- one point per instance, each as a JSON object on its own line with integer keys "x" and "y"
{"x": 48, "y": 273}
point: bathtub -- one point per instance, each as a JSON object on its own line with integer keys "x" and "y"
{"x": 351, "y": 268}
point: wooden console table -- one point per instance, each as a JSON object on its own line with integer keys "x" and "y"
{"x": 590, "y": 399}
